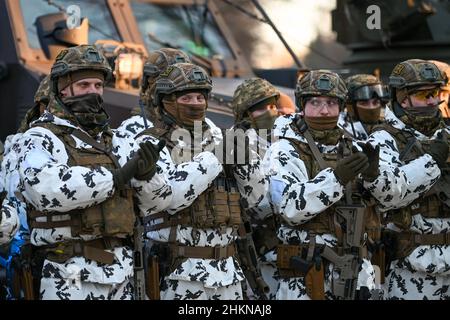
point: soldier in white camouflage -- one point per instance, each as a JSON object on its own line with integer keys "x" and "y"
{"x": 156, "y": 63}
{"x": 314, "y": 171}
{"x": 77, "y": 177}
{"x": 366, "y": 99}
{"x": 414, "y": 140}
{"x": 194, "y": 236}
{"x": 255, "y": 102}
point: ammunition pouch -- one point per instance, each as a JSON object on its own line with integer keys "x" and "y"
{"x": 214, "y": 208}
{"x": 293, "y": 261}
{"x": 402, "y": 244}
{"x": 92, "y": 250}
{"x": 113, "y": 217}
{"x": 299, "y": 261}
{"x": 428, "y": 206}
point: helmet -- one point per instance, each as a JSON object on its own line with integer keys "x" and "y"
{"x": 157, "y": 62}
{"x": 319, "y": 83}
{"x": 84, "y": 57}
{"x": 181, "y": 77}
{"x": 414, "y": 73}
{"x": 445, "y": 70}
{"x": 42, "y": 94}
{"x": 365, "y": 87}
{"x": 249, "y": 93}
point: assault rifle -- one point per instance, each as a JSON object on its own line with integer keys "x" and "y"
{"x": 249, "y": 258}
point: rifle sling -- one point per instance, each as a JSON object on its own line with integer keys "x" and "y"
{"x": 315, "y": 151}
{"x": 96, "y": 145}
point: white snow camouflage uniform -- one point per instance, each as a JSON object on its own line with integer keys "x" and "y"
{"x": 9, "y": 220}
{"x": 197, "y": 278}
{"x": 345, "y": 124}
{"x": 262, "y": 214}
{"x": 424, "y": 273}
{"x": 10, "y": 179}
{"x": 298, "y": 198}
{"x": 48, "y": 183}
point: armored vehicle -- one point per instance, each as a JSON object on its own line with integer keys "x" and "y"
{"x": 32, "y": 32}
{"x": 381, "y": 33}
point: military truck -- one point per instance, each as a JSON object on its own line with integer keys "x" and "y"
{"x": 381, "y": 33}
{"x": 32, "y": 32}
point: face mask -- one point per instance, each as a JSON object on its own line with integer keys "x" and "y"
{"x": 424, "y": 119}
{"x": 322, "y": 123}
{"x": 88, "y": 111}
{"x": 265, "y": 120}
{"x": 185, "y": 113}
{"x": 369, "y": 115}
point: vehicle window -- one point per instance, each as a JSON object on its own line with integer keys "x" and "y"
{"x": 101, "y": 25}
{"x": 190, "y": 28}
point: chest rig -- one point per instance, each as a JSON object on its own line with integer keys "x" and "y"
{"x": 111, "y": 220}
{"x": 350, "y": 221}
{"x": 434, "y": 204}
{"x": 325, "y": 221}
{"x": 217, "y": 207}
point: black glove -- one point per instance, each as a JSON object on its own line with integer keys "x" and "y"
{"x": 148, "y": 156}
{"x": 373, "y": 155}
{"x": 349, "y": 167}
{"x": 142, "y": 166}
{"x": 439, "y": 149}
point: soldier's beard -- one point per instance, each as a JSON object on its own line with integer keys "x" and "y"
{"x": 88, "y": 111}
{"x": 322, "y": 123}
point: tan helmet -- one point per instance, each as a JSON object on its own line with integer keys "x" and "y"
{"x": 249, "y": 93}
{"x": 320, "y": 83}
{"x": 445, "y": 70}
{"x": 181, "y": 77}
{"x": 157, "y": 62}
{"x": 79, "y": 58}
{"x": 413, "y": 73}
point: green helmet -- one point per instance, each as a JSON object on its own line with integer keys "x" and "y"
{"x": 84, "y": 57}
{"x": 319, "y": 83}
{"x": 413, "y": 73}
{"x": 358, "y": 81}
{"x": 42, "y": 94}
{"x": 181, "y": 77}
{"x": 249, "y": 93}
{"x": 157, "y": 62}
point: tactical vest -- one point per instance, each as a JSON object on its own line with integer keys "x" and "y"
{"x": 324, "y": 222}
{"x": 112, "y": 218}
{"x": 434, "y": 204}
{"x": 217, "y": 207}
